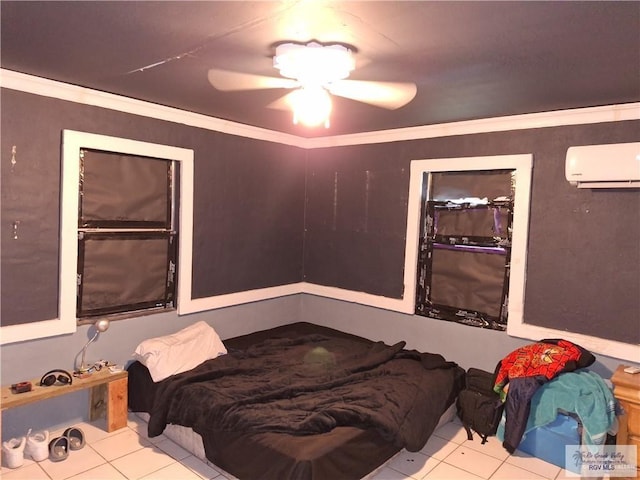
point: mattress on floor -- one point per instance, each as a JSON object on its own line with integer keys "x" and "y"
{"x": 345, "y": 452}
{"x": 192, "y": 442}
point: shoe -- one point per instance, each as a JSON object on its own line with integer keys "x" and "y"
{"x": 14, "y": 452}
{"x": 37, "y": 445}
{"x": 75, "y": 437}
{"x": 58, "y": 449}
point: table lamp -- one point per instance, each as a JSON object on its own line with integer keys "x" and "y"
{"x": 101, "y": 326}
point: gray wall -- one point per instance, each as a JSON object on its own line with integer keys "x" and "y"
{"x": 264, "y": 185}
{"x": 248, "y": 202}
{"x": 467, "y": 346}
{"x": 583, "y": 260}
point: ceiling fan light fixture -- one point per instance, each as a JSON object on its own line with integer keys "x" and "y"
{"x": 313, "y": 63}
{"x": 311, "y": 106}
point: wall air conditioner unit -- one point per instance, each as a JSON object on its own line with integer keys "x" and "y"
{"x": 604, "y": 166}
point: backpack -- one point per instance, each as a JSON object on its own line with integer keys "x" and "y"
{"x": 479, "y": 407}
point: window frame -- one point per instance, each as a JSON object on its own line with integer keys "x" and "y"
{"x": 72, "y": 142}
{"x": 522, "y": 164}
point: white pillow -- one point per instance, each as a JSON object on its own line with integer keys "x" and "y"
{"x": 179, "y": 352}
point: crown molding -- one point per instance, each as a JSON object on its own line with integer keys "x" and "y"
{"x": 86, "y": 96}
{"x": 557, "y": 118}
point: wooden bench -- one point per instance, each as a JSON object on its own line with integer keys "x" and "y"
{"x": 107, "y": 396}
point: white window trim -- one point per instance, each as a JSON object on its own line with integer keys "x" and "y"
{"x": 516, "y": 326}
{"x": 522, "y": 164}
{"x": 72, "y": 142}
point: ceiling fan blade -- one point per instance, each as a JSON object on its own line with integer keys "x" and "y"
{"x": 390, "y": 95}
{"x": 282, "y": 103}
{"x": 227, "y": 81}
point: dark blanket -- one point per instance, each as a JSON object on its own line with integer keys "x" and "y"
{"x": 311, "y": 384}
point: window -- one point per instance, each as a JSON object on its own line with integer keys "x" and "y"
{"x": 467, "y": 228}
{"x": 126, "y": 227}
{"x": 126, "y": 234}
{"x": 465, "y": 247}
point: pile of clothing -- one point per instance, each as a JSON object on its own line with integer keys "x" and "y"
{"x": 557, "y": 366}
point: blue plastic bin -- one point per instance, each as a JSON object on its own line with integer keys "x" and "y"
{"x": 549, "y": 441}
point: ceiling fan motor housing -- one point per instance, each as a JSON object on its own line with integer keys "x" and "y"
{"x": 313, "y": 63}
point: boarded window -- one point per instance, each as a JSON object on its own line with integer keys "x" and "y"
{"x": 126, "y": 241}
{"x": 465, "y": 247}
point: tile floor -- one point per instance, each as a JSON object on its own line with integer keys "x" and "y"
{"x": 129, "y": 454}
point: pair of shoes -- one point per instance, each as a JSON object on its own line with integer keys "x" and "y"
{"x": 34, "y": 446}
{"x": 13, "y": 450}
{"x": 37, "y": 445}
{"x": 71, "y": 439}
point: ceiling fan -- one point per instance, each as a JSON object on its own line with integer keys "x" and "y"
{"x": 314, "y": 72}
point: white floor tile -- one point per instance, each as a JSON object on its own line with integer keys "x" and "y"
{"x": 569, "y": 475}
{"x": 103, "y": 472}
{"x": 95, "y": 431}
{"x": 172, "y": 472}
{"x": 137, "y": 424}
{"x": 387, "y": 473}
{"x": 511, "y": 472}
{"x": 142, "y": 462}
{"x": 492, "y": 447}
{"x": 438, "y": 447}
{"x": 121, "y": 444}
{"x": 533, "y": 464}
{"x": 77, "y": 462}
{"x": 199, "y": 467}
{"x": 32, "y": 471}
{"x": 444, "y": 471}
{"x": 173, "y": 449}
{"x": 415, "y": 465}
{"x": 454, "y": 432}
{"x": 134, "y": 420}
{"x": 473, "y": 461}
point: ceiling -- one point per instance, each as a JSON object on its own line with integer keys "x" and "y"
{"x": 469, "y": 60}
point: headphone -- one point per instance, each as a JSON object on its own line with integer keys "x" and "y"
{"x": 50, "y": 378}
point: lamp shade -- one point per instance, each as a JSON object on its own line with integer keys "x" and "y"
{"x": 102, "y": 325}
{"x": 311, "y": 106}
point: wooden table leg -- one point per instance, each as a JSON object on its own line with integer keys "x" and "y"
{"x": 117, "y": 404}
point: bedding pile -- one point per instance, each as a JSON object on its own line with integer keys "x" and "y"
{"x": 310, "y": 384}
